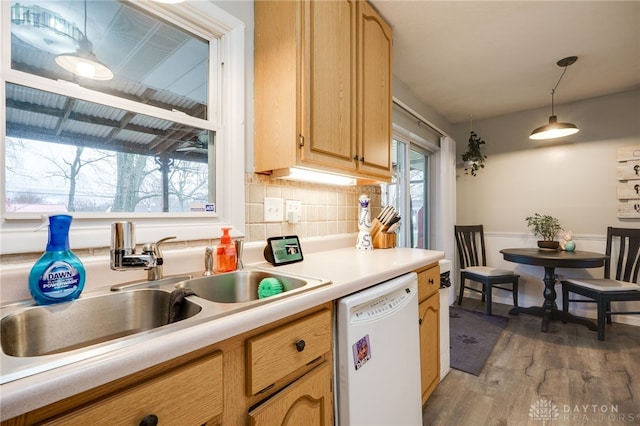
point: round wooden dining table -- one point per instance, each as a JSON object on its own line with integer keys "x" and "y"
{"x": 550, "y": 260}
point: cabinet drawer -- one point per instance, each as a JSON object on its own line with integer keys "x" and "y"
{"x": 276, "y": 353}
{"x": 428, "y": 281}
{"x": 190, "y": 395}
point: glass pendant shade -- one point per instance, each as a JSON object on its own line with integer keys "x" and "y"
{"x": 554, "y": 130}
{"x": 84, "y": 63}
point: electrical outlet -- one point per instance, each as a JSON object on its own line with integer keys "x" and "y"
{"x": 273, "y": 209}
{"x": 293, "y": 210}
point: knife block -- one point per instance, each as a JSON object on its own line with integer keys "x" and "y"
{"x": 384, "y": 240}
{"x": 379, "y": 238}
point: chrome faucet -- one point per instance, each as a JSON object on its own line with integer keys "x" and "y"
{"x": 123, "y": 251}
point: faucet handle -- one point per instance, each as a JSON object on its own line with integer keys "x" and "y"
{"x": 154, "y": 248}
{"x": 165, "y": 239}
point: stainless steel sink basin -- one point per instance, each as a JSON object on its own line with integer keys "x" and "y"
{"x": 240, "y": 286}
{"x": 54, "y": 329}
{"x": 36, "y": 339}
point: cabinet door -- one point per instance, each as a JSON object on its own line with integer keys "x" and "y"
{"x": 374, "y": 91}
{"x": 329, "y": 120}
{"x": 307, "y": 401}
{"x": 429, "y": 344}
{"x": 276, "y": 84}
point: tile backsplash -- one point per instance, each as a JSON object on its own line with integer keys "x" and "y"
{"x": 326, "y": 209}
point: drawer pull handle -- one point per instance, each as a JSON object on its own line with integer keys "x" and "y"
{"x": 431, "y": 282}
{"x": 150, "y": 420}
{"x": 300, "y": 344}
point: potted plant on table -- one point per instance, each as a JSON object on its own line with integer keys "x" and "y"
{"x": 546, "y": 227}
{"x": 473, "y": 158}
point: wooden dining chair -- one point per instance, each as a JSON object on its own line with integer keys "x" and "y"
{"x": 473, "y": 266}
{"x": 623, "y": 249}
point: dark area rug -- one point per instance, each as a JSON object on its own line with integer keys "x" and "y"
{"x": 472, "y": 338}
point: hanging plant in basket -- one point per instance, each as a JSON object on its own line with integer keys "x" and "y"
{"x": 473, "y": 158}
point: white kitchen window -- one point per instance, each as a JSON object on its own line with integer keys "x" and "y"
{"x": 152, "y": 144}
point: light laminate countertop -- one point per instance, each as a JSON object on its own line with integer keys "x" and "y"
{"x": 349, "y": 270}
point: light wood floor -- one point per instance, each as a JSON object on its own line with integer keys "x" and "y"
{"x": 566, "y": 374}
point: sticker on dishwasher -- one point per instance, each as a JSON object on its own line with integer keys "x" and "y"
{"x": 361, "y": 352}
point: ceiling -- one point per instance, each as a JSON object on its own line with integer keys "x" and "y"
{"x": 480, "y": 59}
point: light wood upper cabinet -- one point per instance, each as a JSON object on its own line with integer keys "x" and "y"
{"x": 329, "y": 119}
{"x": 322, "y": 88}
{"x": 374, "y": 91}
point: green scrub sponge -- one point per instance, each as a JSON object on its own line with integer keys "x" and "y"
{"x": 269, "y": 287}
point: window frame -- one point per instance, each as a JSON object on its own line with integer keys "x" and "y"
{"x": 227, "y": 78}
{"x": 429, "y": 149}
{"x": 404, "y": 190}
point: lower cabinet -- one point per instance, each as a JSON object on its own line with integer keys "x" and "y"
{"x": 279, "y": 352}
{"x": 280, "y": 373}
{"x": 307, "y": 401}
{"x": 190, "y": 395}
{"x": 429, "y": 311}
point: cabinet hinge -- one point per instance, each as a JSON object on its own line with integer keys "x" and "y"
{"x": 300, "y": 141}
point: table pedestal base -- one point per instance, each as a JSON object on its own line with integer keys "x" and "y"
{"x": 553, "y": 315}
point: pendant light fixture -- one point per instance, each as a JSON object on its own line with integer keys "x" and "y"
{"x": 83, "y": 62}
{"x": 555, "y": 129}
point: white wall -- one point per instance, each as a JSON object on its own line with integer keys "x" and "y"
{"x": 573, "y": 179}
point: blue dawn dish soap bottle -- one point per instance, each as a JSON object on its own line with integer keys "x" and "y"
{"x": 58, "y": 275}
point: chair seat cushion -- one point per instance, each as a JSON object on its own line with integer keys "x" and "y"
{"x": 605, "y": 285}
{"x": 487, "y": 271}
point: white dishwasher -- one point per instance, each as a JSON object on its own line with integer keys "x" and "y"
{"x": 378, "y": 355}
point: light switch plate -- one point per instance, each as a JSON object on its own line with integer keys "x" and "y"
{"x": 273, "y": 209}
{"x": 293, "y": 210}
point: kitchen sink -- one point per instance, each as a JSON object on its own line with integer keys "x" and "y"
{"x": 63, "y": 327}
{"x": 242, "y": 286}
{"x": 37, "y": 339}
